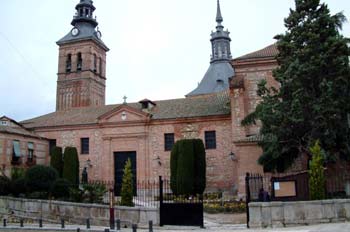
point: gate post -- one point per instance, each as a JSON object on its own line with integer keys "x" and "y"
{"x": 160, "y": 200}
{"x": 247, "y": 192}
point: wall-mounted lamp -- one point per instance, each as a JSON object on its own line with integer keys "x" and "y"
{"x": 88, "y": 163}
{"x": 233, "y": 156}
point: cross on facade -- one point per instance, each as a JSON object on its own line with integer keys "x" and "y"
{"x": 125, "y": 99}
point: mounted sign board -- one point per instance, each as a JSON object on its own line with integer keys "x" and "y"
{"x": 285, "y": 188}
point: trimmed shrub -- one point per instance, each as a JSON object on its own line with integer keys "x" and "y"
{"x": 185, "y": 168}
{"x": 127, "y": 186}
{"x": 173, "y": 167}
{"x": 40, "y": 178}
{"x": 93, "y": 193}
{"x": 17, "y": 173}
{"x": 71, "y": 165}
{"x": 200, "y": 166}
{"x": 188, "y": 167}
{"x": 57, "y": 160}
{"x": 317, "y": 181}
{"x": 5, "y": 184}
{"x": 19, "y": 186}
{"x": 60, "y": 189}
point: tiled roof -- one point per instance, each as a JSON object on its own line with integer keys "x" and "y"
{"x": 269, "y": 51}
{"x": 18, "y": 131}
{"x": 210, "y": 105}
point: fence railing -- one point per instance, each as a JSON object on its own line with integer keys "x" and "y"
{"x": 294, "y": 186}
{"x": 146, "y": 192}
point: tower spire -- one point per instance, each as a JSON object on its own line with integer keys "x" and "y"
{"x": 219, "y": 18}
{"x": 220, "y": 69}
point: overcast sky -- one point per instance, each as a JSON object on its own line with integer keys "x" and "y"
{"x": 160, "y": 49}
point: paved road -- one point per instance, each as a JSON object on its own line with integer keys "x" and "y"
{"x": 336, "y": 227}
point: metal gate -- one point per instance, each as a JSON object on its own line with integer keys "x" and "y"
{"x": 179, "y": 210}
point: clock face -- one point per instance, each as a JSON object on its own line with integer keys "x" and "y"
{"x": 99, "y": 34}
{"x": 75, "y": 31}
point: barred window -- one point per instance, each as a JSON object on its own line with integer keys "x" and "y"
{"x": 84, "y": 145}
{"x": 169, "y": 141}
{"x": 210, "y": 140}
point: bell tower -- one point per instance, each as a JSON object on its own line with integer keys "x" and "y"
{"x": 81, "y": 74}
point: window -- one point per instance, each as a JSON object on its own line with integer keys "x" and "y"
{"x": 84, "y": 142}
{"x": 95, "y": 63}
{"x": 30, "y": 151}
{"x": 79, "y": 62}
{"x": 69, "y": 63}
{"x": 16, "y": 149}
{"x": 3, "y": 123}
{"x": 100, "y": 66}
{"x": 16, "y": 156}
{"x": 52, "y": 144}
{"x": 210, "y": 140}
{"x": 168, "y": 141}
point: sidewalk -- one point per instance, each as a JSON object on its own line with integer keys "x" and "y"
{"x": 335, "y": 227}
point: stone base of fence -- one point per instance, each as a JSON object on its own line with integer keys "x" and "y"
{"x": 284, "y": 214}
{"x": 75, "y": 213}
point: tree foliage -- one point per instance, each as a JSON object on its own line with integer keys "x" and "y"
{"x": 71, "y": 165}
{"x": 40, "y": 178}
{"x": 127, "y": 186}
{"x": 188, "y": 167}
{"x": 313, "y": 99}
{"x": 317, "y": 179}
{"x": 57, "y": 160}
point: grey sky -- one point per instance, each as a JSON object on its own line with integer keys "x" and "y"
{"x": 160, "y": 49}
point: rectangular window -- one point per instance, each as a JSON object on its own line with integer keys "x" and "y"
{"x": 210, "y": 140}
{"x": 169, "y": 141}
{"x": 16, "y": 149}
{"x": 52, "y": 144}
{"x": 30, "y": 151}
{"x": 84, "y": 142}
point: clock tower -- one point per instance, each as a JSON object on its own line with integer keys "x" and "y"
{"x": 82, "y": 62}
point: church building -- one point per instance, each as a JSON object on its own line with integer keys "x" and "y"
{"x": 145, "y": 131}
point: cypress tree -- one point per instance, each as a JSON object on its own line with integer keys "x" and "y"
{"x": 188, "y": 167}
{"x": 317, "y": 179}
{"x": 313, "y": 99}
{"x": 199, "y": 166}
{"x": 71, "y": 165}
{"x": 173, "y": 167}
{"x": 127, "y": 186}
{"x": 57, "y": 160}
{"x": 185, "y": 168}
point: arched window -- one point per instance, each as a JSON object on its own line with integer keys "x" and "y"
{"x": 69, "y": 63}
{"x": 79, "y": 62}
{"x": 101, "y": 66}
{"x": 95, "y": 63}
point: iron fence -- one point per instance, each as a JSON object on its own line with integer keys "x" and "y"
{"x": 146, "y": 192}
{"x": 294, "y": 186}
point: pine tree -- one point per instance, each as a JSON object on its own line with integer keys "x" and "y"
{"x": 71, "y": 165}
{"x": 313, "y": 99}
{"x": 57, "y": 160}
{"x": 317, "y": 179}
{"x": 127, "y": 186}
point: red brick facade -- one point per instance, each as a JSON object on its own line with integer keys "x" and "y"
{"x": 141, "y": 127}
{"x": 10, "y": 132}
{"x": 81, "y": 85}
